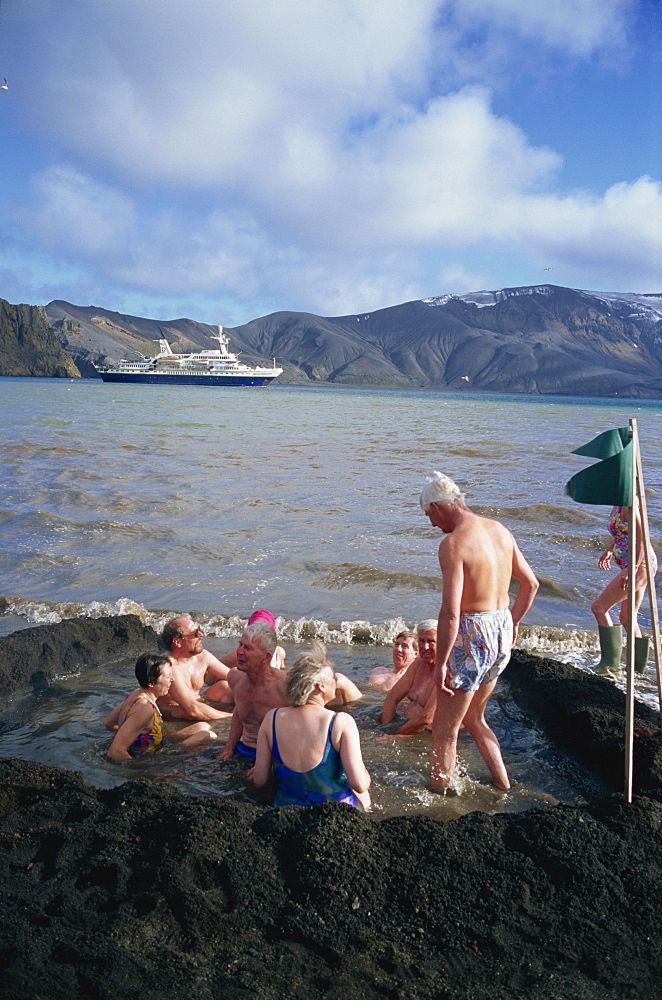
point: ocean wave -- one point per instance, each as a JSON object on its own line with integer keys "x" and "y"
{"x": 546, "y": 640}
{"x": 550, "y": 588}
{"x": 540, "y": 513}
{"x": 357, "y": 575}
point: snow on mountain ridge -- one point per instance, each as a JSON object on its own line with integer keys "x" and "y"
{"x": 643, "y": 305}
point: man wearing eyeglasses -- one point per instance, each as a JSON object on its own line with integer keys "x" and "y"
{"x": 193, "y": 666}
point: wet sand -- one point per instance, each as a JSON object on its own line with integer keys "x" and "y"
{"x": 142, "y": 891}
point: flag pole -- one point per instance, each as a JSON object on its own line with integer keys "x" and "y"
{"x": 632, "y": 590}
{"x": 650, "y": 578}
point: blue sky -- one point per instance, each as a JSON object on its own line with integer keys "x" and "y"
{"x": 224, "y": 159}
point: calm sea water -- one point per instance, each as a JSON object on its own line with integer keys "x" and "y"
{"x": 160, "y": 500}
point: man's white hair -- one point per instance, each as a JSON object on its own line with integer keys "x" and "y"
{"x": 429, "y": 625}
{"x": 440, "y": 489}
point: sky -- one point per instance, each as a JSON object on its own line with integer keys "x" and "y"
{"x": 221, "y": 160}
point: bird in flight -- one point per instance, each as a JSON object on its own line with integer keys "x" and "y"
{"x": 548, "y": 268}
{"x": 4, "y": 85}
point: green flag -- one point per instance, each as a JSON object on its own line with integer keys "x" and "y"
{"x": 608, "y": 482}
{"x": 606, "y": 444}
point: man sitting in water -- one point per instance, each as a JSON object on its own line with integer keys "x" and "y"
{"x": 405, "y": 648}
{"x": 192, "y": 668}
{"x": 262, "y": 615}
{"x": 416, "y": 684}
{"x": 476, "y": 629}
{"x": 256, "y": 687}
{"x": 346, "y": 690}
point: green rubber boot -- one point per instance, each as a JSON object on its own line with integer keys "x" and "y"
{"x": 641, "y": 650}
{"x": 611, "y": 646}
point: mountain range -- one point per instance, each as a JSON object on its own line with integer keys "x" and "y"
{"x": 543, "y": 339}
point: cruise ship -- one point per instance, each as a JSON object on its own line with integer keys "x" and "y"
{"x": 217, "y": 367}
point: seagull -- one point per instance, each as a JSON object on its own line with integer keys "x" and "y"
{"x": 548, "y": 268}
{"x": 465, "y": 378}
{"x": 4, "y": 85}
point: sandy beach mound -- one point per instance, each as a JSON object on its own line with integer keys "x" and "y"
{"x": 141, "y": 891}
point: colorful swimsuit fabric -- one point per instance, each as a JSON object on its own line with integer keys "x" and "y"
{"x": 326, "y": 782}
{"x": 618, "y": 529}
{"x": 482, "y": 649}
{"x": 152, "y": 739}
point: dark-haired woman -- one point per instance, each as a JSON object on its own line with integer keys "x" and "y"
{"x": 138, "y": 721}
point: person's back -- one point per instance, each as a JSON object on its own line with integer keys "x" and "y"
{"x": 307, "y": 765}
{"x": 484, "y": 548}
{"x": 315, "y": 754}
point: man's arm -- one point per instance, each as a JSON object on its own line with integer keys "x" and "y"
{"x": 346, "y": 691}
{"x": 398, "y": 692}
{"x": 188, "y": 705}
{"x": 452, "y": 575}
{"x": 420, "y": 719}
{"x": 236, "y": 729}
{"x": 528, "y": 588}
{"x": 215, "y": 667}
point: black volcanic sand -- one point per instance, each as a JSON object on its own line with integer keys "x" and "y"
{"x": 141, "y": 891}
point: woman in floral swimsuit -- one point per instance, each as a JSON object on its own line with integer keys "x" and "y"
{"x": 137, "y": 720}
{"x": 616, "y": 590}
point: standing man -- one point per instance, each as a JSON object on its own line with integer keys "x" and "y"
{"x": 476, "y": 629}
{"x": 192, "y": 667}
{"x": 256, "y": 687}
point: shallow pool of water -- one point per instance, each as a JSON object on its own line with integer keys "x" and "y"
{"x": 64, "y": 728}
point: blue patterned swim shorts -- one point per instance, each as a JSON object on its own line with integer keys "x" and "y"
{"x": 482, "y": 649}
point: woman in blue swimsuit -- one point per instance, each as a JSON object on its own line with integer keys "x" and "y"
{"x": 315, "y": 754}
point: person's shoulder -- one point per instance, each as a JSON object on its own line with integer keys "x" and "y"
{"x": 343, "y": 722}
{"x": 208, "y": 657}
{"x": 138, "y": 703}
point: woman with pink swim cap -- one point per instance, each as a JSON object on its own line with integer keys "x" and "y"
{"x": 262, "y": 616}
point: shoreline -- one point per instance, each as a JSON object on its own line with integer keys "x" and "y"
{"x": 143, "y": 891}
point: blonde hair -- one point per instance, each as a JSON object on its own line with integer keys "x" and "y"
{"x": 440, "y": 489}
{"x": 307, "y": 671}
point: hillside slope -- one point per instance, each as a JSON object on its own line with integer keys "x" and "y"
{"x": 544, "y": 339}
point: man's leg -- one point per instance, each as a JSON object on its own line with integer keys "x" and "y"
{"x": 448, "y": 717}
{"x": 484, "y": 738}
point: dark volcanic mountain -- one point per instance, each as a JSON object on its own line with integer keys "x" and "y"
{"x": 29, "y": 346}
{"x": 543, "y": 339}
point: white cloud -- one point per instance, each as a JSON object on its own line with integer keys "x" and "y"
{"x": 74, "y": 214}
{"x": 579, "y": 26}
{"x": 311, "y": 154}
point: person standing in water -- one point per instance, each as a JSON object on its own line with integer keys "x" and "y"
{"x": 610, "y": 635}
{"x": 476, "y": 629}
